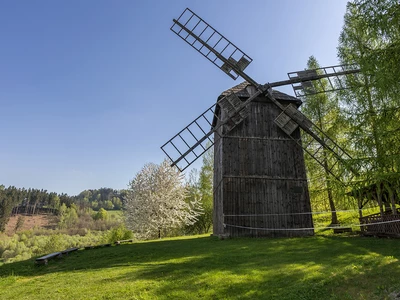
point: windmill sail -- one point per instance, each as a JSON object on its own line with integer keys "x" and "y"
{"x": 232, "y": 61}
{"x": 210, "y": 43}
{"x": 310, "y": 82}
{"x": 192, "y": 141}
{"x": 195, "y": 139}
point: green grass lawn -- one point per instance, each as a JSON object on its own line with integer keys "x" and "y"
{"x": 321, "y": 267}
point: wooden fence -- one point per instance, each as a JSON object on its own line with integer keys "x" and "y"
{"x": 386, "y": 225}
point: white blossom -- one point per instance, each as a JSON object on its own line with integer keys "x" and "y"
{"x": 156, "y": 201}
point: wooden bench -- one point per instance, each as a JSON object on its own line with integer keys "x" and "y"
{"x": 224, "y": 236}
{"x": 123, "y": 241}
{"x": 342, "y": 230}
{"x": 97, "y": 246}
{"x": 69, "y": 250}
{"x": 45, "y": 259}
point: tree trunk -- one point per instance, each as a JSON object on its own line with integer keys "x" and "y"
{"x": 335, "y": 221}
{"x": 392, "y": 201}
{"x": 360, "y": 206}
{"x": 379, "y": 198}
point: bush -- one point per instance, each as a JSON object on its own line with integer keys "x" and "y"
{"x": 55, "y": 243}
{"x": 101, "y": 214}
{"x": 26, "y": 245}
{"x": 119, "y": 233}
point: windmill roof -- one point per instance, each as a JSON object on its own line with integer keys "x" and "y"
{"x": 237, "y": 89}
{"x": 240, "y": 91}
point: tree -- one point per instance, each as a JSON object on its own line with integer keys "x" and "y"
{"x": 201, "y": 189}
{"x": 108, "y": 205}
{"x": 54, "y": 201}
{"x": 117, "y": 203}
{"x": 95, "y": 205}
{"x": 8, "y": 199}
{"x": 371, "y": 39}
{"x": 155, "y": 201}
{"x": 323, "y": 110}
{"x": 62, "y": 213}
{"x": 20, "y": 223}
{"x": 101, "y": 214}
{"x": 71, "y": 216}
{"x": 68, "y": 216}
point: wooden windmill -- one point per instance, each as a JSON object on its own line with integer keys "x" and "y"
{"x": 260, "y": 183}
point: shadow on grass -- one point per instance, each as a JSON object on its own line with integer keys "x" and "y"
{"x": 307, "y": 268}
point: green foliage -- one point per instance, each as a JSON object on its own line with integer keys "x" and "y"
{"x": 74, "y": 207}
{"x": 100, "y": 198}
{"x": 8, "y": 200}
{"x": 371, "y": 39}
{"x": 54, "y": 201}
{"x": 119, "y": 233}
{"x": 101, "y": 214}
{"x": 63, "y": 210}
{"x": 27, "y": 244}
{"x": 108, "y": 204}
{"x": 20, "y": 223}
{"x": 68, "y": 216}
{"x": 201, "y": 189}
{"x": 324, "y": 111}
{"x": 95, "y": 204}
{"x": 117, "y": 202}
{"x": 56, "y": 242}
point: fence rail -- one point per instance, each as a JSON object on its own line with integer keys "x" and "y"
{"x": 375, "y": 224}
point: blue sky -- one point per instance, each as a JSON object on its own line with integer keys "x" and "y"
{"x": 90, "y": 90}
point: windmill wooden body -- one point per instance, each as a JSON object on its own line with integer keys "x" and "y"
{"x": 259, "y": 173}
{"x": 260, "y": 184}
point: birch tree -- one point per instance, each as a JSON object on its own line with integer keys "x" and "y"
{"x": 155, "y": 201}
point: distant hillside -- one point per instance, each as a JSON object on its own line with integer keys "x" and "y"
{"x": 15, "y": 200}
{"x": 47, "y": 221}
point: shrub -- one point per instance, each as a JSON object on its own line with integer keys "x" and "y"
{"x": 25, "y": 245}
{"x": 119, "y": 233}
{"x": 101, "y": 214}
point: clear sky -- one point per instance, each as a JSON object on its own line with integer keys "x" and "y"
{"x": 90, "y": 90}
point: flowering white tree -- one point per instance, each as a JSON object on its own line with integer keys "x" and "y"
{"x": 155, "y": 201}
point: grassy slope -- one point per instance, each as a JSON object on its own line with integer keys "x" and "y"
{"x": 205, "y": 267}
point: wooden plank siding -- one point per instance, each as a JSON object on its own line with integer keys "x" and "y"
{"x": 218, "y": 185}
{"x": 259, "y": 172}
